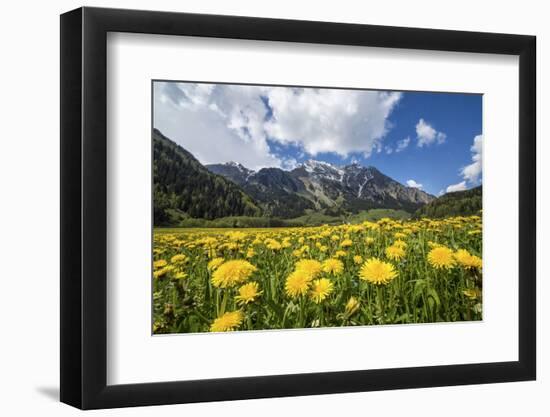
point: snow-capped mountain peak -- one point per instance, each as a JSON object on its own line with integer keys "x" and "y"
{"x": 239, "y": 166}
{"x": 234, "y": 171}
{"x": 324, "y": 169}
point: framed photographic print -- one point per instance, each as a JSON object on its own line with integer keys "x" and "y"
{"x": 258, "y": 208}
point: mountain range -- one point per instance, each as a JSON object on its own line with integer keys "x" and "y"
{"x": 316, "y": 185}
{"x": 183, "y": 184}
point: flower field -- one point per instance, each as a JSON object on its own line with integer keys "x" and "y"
{"x": 385, "y": 272}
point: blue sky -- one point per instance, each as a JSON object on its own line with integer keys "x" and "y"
{"x": 428, "y": 140}
{"x": 435, "y": 166}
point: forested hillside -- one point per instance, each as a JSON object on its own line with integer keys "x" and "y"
{"x": 183, "y": 187}
{"x": 459, "y": 203}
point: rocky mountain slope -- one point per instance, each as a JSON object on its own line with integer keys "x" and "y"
{"x": 316, "y": 185}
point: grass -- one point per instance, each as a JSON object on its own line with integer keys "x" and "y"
{"x": 436, "y": 275}
{"x": 312, "y": 219}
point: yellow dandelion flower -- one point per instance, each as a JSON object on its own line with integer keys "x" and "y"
{"x": 273, "y": 244}
{"x": 333, "y": 266}
{"x": 232, "y": 273}
{"x": 467, "y": 260}
{"x": 369, "y": 241}
{"x": 214, "y": 263}
{"x": 231, "y": 246}
{"x": 250, "y": 253}
{"x": 180, "y": 275}
{"x": 395, "y": 253}
{"x": 399, "y": 235}
{"x": 297, "y": 283}
{"x": 346, "y": 243}
{"x": 159, "y": 273}
{"x": 161, "y": 263}
{"x": 323, "y": 248}
{"x": 207, "y": 241}
{"x": 441, "y": 257}
{"x": 475, "y": 262}
{"x": 352, "y": 306}
{"x": 400, "y": 244}
{"x": 470, "y": 293}
{"x": 462, "y": 256}
{"x": 227, "y": 322}
{"x": 309, "y": 266}
{"x": 386, "y": 221}
{"x": 236, "y": 236}
{"x": 178, "y": 259}
{"x": 248, "y": 293}
{"x": 376, "y": 271}
{"x": 340, "y": 254}
{"x": 321, "y": 289}
{"x": 358, "y": 260}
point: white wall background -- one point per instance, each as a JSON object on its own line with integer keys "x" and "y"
{"x": 29, "y": 225}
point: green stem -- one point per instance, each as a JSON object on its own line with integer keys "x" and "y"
{"x": 224, "y": 302}
{"x": 381, "y": 306}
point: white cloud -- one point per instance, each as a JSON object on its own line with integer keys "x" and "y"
{"x": 413, "y": 184}
{"x": 215, "y": 126}
{"x": 289, "y": 164}
{"x": 472, "y": 172}
{"x": 427, "y": 135}
{"x": 402, "y": 144}
{"x": 461, "y": 186}
{"x": 329, "y": 120}
{"x": 388, "y": 150}
{"x": 227, "y": 122}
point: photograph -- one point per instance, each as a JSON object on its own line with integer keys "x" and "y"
{"x": 286, "y": 207}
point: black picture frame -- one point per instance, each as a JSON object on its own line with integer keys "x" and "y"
{"x": 84, "y": 207}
